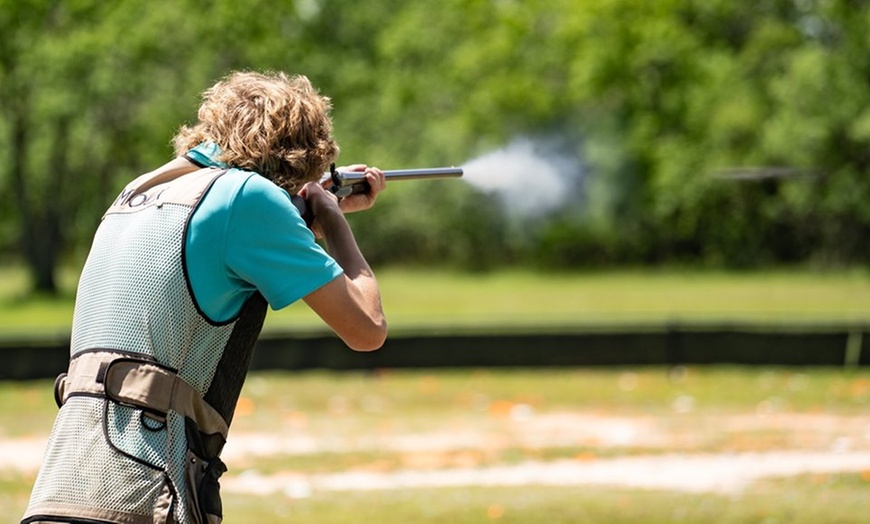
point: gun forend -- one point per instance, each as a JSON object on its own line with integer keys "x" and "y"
{"x": 346, "y": 183}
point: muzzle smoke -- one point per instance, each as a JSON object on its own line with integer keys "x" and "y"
{"x": 532, "y": 178}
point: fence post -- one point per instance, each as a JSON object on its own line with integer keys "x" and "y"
{"x": 853, "y": 348}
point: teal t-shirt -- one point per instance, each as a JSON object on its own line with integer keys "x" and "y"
{"x": 245, "y": 236}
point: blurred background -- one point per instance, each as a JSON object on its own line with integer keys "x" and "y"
{"x": 702, "y": 133}
{"x": 648, "y": 185}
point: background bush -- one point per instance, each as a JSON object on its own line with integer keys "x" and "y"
{"x": 715, "y": 133}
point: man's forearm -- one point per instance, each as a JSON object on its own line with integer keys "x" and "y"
{"x": 351, "y": 303}
{"x": 341, "y": 246}
{"x": 362, "y": 287}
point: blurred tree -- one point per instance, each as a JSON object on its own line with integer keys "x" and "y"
{"x": 693, "y": 90}
{"x": 92, "y": 92}
{"x": 671, "y": 103}
{"x": 77, "y": 115}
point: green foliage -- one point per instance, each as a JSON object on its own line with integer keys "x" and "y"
{"x": 418, "y": 220}
{"x": 666, "y": 96}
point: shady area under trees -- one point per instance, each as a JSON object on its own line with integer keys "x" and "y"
{"x": 711, "y": 132}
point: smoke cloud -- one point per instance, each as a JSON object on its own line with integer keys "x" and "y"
{"x": 532, "y": 177}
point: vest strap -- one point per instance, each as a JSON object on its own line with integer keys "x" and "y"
{"x": 140, "y": 383}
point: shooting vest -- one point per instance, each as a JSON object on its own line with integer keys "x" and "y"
{"x": 152, "y": 383}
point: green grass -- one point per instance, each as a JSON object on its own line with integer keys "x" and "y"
{"x": 26, "y": 407}
{"x": 800, "y": 500}
{"x": 842, "y": 499}
{"x": 689, "y": 403}
{"x": 25, "y": 314}
{"x": 422, "y": 394}
{"x": 326, "y": 405}
{"x": 503, "y": 300}
{"x": 422, "y": 400}
{"x": 14, "y": 494}
{"x": 522, "y": 299}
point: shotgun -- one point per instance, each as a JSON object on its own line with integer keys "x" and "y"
{"x": 344, "y": 183}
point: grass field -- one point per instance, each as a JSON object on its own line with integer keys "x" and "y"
{"x": 304, "y": 444}
{"x": 310, "y": 447}
{"x": 418, "y": 299}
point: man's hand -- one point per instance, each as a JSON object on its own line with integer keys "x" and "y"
{"x": 320, "y": 202}
{"x": 322, "y": 207}
{"x": 377, "y": 182}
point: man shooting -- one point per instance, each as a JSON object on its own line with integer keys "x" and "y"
{"x": 173, "y": 296}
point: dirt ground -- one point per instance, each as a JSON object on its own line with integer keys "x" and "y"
{"x": 722, "y": 454}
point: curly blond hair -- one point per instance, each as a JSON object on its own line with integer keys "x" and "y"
{"x": 271, "y": 123}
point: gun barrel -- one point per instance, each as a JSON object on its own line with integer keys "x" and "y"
{"x": 432, "y": 172}
{"x": 345, "y": 183}
{"x": 346, "y": 178}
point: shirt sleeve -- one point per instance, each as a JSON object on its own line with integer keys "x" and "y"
{"x": 269, "y": 246}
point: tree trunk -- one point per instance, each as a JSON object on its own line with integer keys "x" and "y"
{"x": 40, "y": 226}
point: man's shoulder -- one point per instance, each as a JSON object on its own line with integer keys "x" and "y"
{"x": 245, "y": 196}
{"x": 238, "y": 183}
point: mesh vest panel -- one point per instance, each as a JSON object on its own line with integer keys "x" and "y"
{"x": 133, "y": 297}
